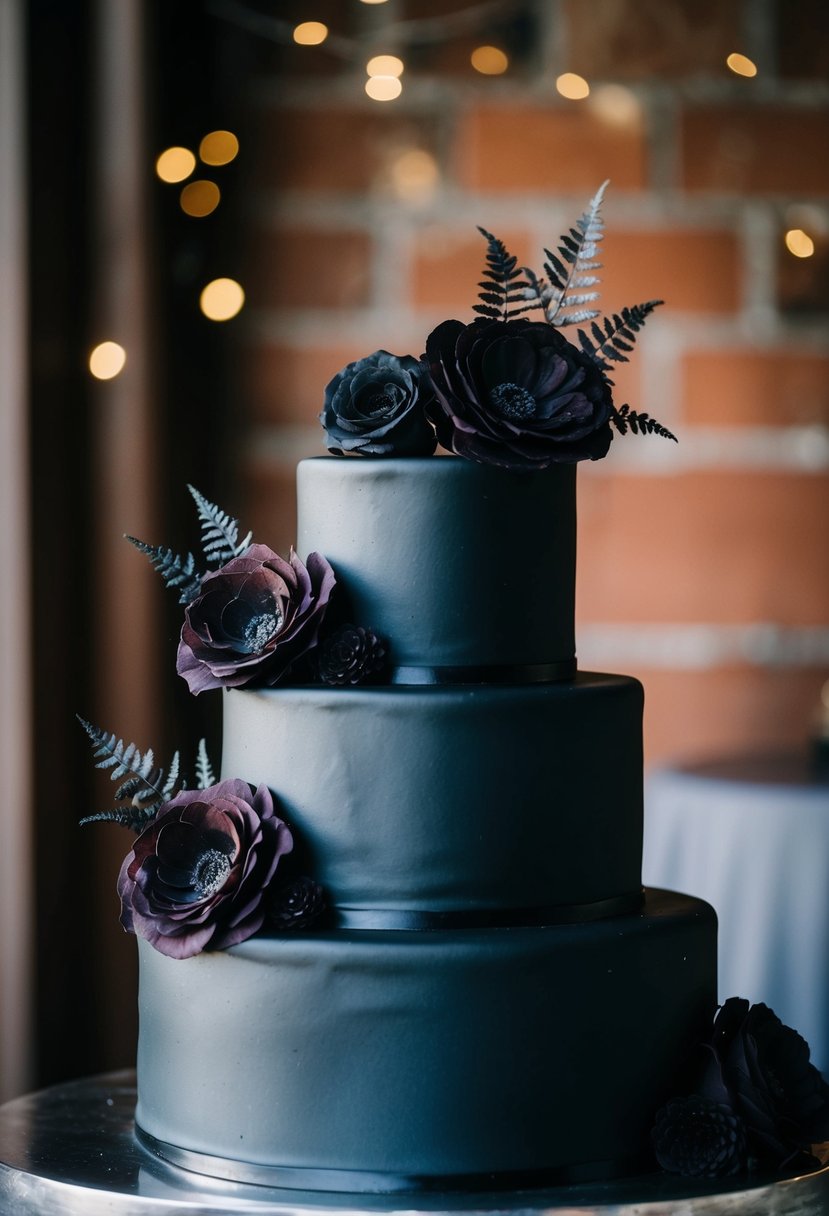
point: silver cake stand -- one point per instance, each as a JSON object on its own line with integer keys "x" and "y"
{"x": 71, "y": 1151}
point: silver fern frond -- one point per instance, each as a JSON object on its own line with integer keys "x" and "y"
{"x": 220, "y": 533}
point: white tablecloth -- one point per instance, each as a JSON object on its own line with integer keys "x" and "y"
{"x": 751, "y": 836}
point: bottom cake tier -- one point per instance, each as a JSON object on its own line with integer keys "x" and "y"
{"x": 381, "y": 1061}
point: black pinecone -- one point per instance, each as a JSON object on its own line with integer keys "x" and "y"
{"x": 699, "y": 1138}
{"x": 351, "y": 655}
{"x": 296, "y": 904}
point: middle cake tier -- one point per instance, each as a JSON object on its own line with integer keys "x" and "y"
{"x": 505, "y": 804}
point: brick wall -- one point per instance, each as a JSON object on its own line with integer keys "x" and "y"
{"x": 703, "y": 567}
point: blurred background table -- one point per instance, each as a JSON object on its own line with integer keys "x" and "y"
{"x": 750, "y": 834}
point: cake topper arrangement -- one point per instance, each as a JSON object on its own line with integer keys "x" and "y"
{"x": 503, "y": 390}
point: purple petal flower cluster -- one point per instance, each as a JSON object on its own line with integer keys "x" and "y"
{"x": 253, "y": 618}
{"x": 196, "y": 876}
{"x": 376, "y": 407}
{"x": 516, "y": 394}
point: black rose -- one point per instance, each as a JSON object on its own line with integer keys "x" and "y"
{"x": 351, "y": 655}
{"x": 516, "y": 394}
{"x": 774, "y": 1087}
{"x": 699, "y": 1138}
{"x": 377, "y": 406}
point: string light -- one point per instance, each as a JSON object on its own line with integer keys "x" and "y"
{"x": 414, "y": 175}
{"x": 616, "y": 105}
{"x": 310, "y": 33}
{"x": 572, "y": 86}
{"x": 222, "y": 299}
{"x": 489, "y": 60}
{"x": 219, "y": 148}
{"x": 107, "y": 360}
{"x": 741, "y": 65}
{"x": 373, "y": 1}
{"x": 199, "y": 198}
{"x": 383, "y": 88}
{"x": 174, "y": 164}
{"x": 799, "y": 243}
{"x": 385, "y": 65}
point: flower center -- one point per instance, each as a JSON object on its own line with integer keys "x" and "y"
{"x": 210, "y": 871}
{"x": 513, "y": 401}
{"x": 385, "y": 401}
{"x": 260, "y": 629}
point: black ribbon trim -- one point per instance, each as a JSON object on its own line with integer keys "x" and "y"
{"x": 518, "y": 673}
{"x": 409, "y": 920}
{"x": 354, "y": 1182}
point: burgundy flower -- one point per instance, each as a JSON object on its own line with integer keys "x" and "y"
{"x": 780, "y": 1095}
{"x": 351, "y": 655}
{"x": 195, "y": 877}
{"x": 516, "y": 394}
{"x": 376, "y": 406}
{"x": 252, "y": 619}
{"x": 699, "y": 1138}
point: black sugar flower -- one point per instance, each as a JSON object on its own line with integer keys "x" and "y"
{"x": 350, "y": 655}
{"x": 699, "y": 1138}
{"x": 516, "y": 394}
{"x": 376, "y": 407}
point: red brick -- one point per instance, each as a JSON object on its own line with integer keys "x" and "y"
{"x": 285, "y": 384}
{"x": 646, "y": 38}
{"x": 448, "y": 264}
{"x": 763, "y": 148}
{"x": 269, "y": 509}
{"x": 697, "y": 715}
{"x": 725, "y": 546}
{"x": 693, "y": 270}
{"x": 755, "y": 388}
{"x": 309, "y": 268}
{"x": 546, "y": 148}
{"x": 802, "y": 39}
{"x": 350, "y": 149}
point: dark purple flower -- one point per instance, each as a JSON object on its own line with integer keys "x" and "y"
{"x": 516, "y": 394}
{"x": 699, "y": 1138}
{"x": 195, "y": 877}
{"x": 252, "y": 619}
{"x": 296, "y": 904}
{"x": 376, "y": 407}
{"x": 351, "y": 655}
{"x": 765, "y": 1067}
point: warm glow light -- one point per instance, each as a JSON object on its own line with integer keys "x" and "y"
{"x": 107, "y": 360}
{"x": 616, "y": 105}
{"x": 414, "y": 175}
{"x": 799, "y": 243}
{"x": 489, "y": 60}
{"x": 174, "y": 164}
{"x": 741, "y": 65}
{"x": 374, "y": 1}
{"x": 221, "y": 299}
{"x": 219, "y": 148}
{"x": 200, "y": 197}
{"x": 572, "y": 86}
{"x": 383, "y": 88}
{"x": 310, "y": 33}
{"x": 385, "y": 65}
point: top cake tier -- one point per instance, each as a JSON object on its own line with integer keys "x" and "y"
{"x": 465, "y": 569}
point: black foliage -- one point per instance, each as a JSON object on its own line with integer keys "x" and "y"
{"x": 503, "y": 284}
{"x": 625, "y": 419}
{"x": 613, "y": 341}
{"x": 177, "y": 572}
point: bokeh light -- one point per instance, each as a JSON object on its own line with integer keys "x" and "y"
{"x": 200, "y": 197}
{"x": 572, "y": 86}
{"x": 385, "y": 65}
{"x": 107, "y": 360}
{"x": 383, "y": 88}
{"x": 616, "y": 105}
{"x": 414, "y": 175}
{"x": 310, "y": 33}
{"x": 799, "y": 243}
{"x": 174, "y": 164}
{"x": 222, "y": 299}
{"x": 489, "y": 60}
{"x": 741, "y": 65}
{"x": 219, "y": 148}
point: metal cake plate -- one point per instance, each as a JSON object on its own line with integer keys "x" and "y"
{"x": 71, "y": 1151}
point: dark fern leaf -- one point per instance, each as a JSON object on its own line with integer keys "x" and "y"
{"x": 144, "y": 785}
{"x": 625, "y": 419}
{"x": 128, "y": 817}
{"x": 220, "y": 533}
{"x": 503, "y": 283}
{"x": 177, "y": 572}
{"x": 618, "y": 336}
